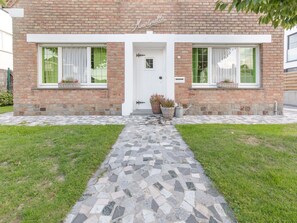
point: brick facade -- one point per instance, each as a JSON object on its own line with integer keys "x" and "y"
{"x": 119, "y": 17}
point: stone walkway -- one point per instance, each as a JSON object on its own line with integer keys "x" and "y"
{"x": 150, "y": 176}
{"x": 8, "y": 119}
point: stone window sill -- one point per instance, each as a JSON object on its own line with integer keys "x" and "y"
{"x": 225, "y": 89}
{"x": 65, "y": 89}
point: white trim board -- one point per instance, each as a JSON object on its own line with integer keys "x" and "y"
{"x": 15, "y": 12}
{"x": 104, "y": 38}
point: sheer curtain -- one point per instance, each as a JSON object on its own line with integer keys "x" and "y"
{"x": 223, "y": 64}
{"x": 75, "y": 64}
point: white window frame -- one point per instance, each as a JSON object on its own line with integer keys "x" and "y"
{"x": 209, "y": 70}
{"x": 60, "y": 65}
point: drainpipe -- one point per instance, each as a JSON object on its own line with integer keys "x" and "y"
{"x": 275, "y": 107}
{"x": 8, "y": 80}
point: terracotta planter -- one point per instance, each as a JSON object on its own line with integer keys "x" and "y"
{"x": 69, "y": 85}
{"x": 227, "y": 85}
{"x": 168, "y": 113}
{"x": 156, "y": 109}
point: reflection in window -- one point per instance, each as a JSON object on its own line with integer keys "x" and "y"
{"x": 149, "y": 63}
{"x": 247, "y": 65}
{"x": 49, "y": 65}
{"x": 98, "y": 65}
{"x": 200, "y": 65}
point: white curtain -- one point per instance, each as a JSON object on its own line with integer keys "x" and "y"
{"x": 75, "y": 64}
{"x": 223, "y": 64}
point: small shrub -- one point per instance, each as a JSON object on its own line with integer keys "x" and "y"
{"x": 167, "y": 103}
{"x": 156, "y": 98}
{"x": 69, "y": 80}
{"x": 6, "y": 98}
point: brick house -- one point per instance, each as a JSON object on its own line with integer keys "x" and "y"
{"x": 121, "y": 52}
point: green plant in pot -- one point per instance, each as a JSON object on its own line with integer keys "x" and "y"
{"x": 155, "y": 103}
{"x": 167, "y": 108}
{"x": 69, "y": 83}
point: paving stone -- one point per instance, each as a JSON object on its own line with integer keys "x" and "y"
{"x": 178, "y": 186}
{"x": 166, "y": 208}
{"x": 158, "y": 185}
{"x": 199, "y": 215}
{"x": 80, "y": 218}
{"x": 190, "y": 186}
{"x": 172, "y": 173}
{"x": 154, "y": 205}
{"x": 118, "y": 212}
{"x": 212, "y": 220}
{"x": 113, "y": 178}
{"x": 108, "y": 208}
{"x": 191, "y": 219}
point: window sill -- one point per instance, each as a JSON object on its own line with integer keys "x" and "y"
{"x": 226, "y": 89}
{"x": 65, "y": 89}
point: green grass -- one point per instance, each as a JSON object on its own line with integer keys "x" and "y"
{"x": 6, "y": 109}
{"x": 44, "y": 170}
{"x": 253, "y": 166}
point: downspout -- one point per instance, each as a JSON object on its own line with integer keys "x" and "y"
{"x": 275, "y": 107}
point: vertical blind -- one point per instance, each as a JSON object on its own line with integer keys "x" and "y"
{"x": 75, "y": 64}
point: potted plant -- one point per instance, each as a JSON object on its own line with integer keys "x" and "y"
{"x": 227, "y": 84}
{"x": 69, "y": 83}
{"x": 155, "y": 103}
{"x": 167, "y": 108}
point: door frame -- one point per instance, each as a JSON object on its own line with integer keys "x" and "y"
{"x": 138, "y": 49}
{"x": 150, "y": 42}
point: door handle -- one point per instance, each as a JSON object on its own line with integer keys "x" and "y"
{"x": 160, "y": 77}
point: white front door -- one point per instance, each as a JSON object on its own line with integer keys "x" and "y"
{"x": 150, "y": 76}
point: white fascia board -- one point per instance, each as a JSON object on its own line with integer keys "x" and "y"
{"x": 74, "y": 38}
{"x": 223, "y": 39}
{"x": 104, "y": 38}
{"x": 290, "y": 31}
{"x": 15, "y": 12}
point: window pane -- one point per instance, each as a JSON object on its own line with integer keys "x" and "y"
{"x": 200, "y": 65}
{"x": 98, "y": 65}
{"x": 49, "y": 65}
{"x": 292, "y": 41}
{"x": 223, "y": 64}
{"x": 292, "y": 47}
{"x": 247, "y": 65}
{"x": 149, "y": 63}
{"x": 75, "y": 64}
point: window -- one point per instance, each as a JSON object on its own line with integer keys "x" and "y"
{"x": 98, "y": 65}
{"x": 212, "y": 65}
{"x": 200, "y": 65}
{"x": 49, "y": 65}
{"x": 149, "y": 63}
{"x": 292, "y": 47}
{"x": 87, "y": 65}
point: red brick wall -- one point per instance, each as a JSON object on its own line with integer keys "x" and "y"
{"x": 233, "y": 101}
{"x": 119, "y": 16}
{"x": 29, "y": 100}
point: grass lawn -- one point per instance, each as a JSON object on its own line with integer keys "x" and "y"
{"x": 254, "y": 166}
{"x": 44, "y": 170}
{"x": 6, "y": 109}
